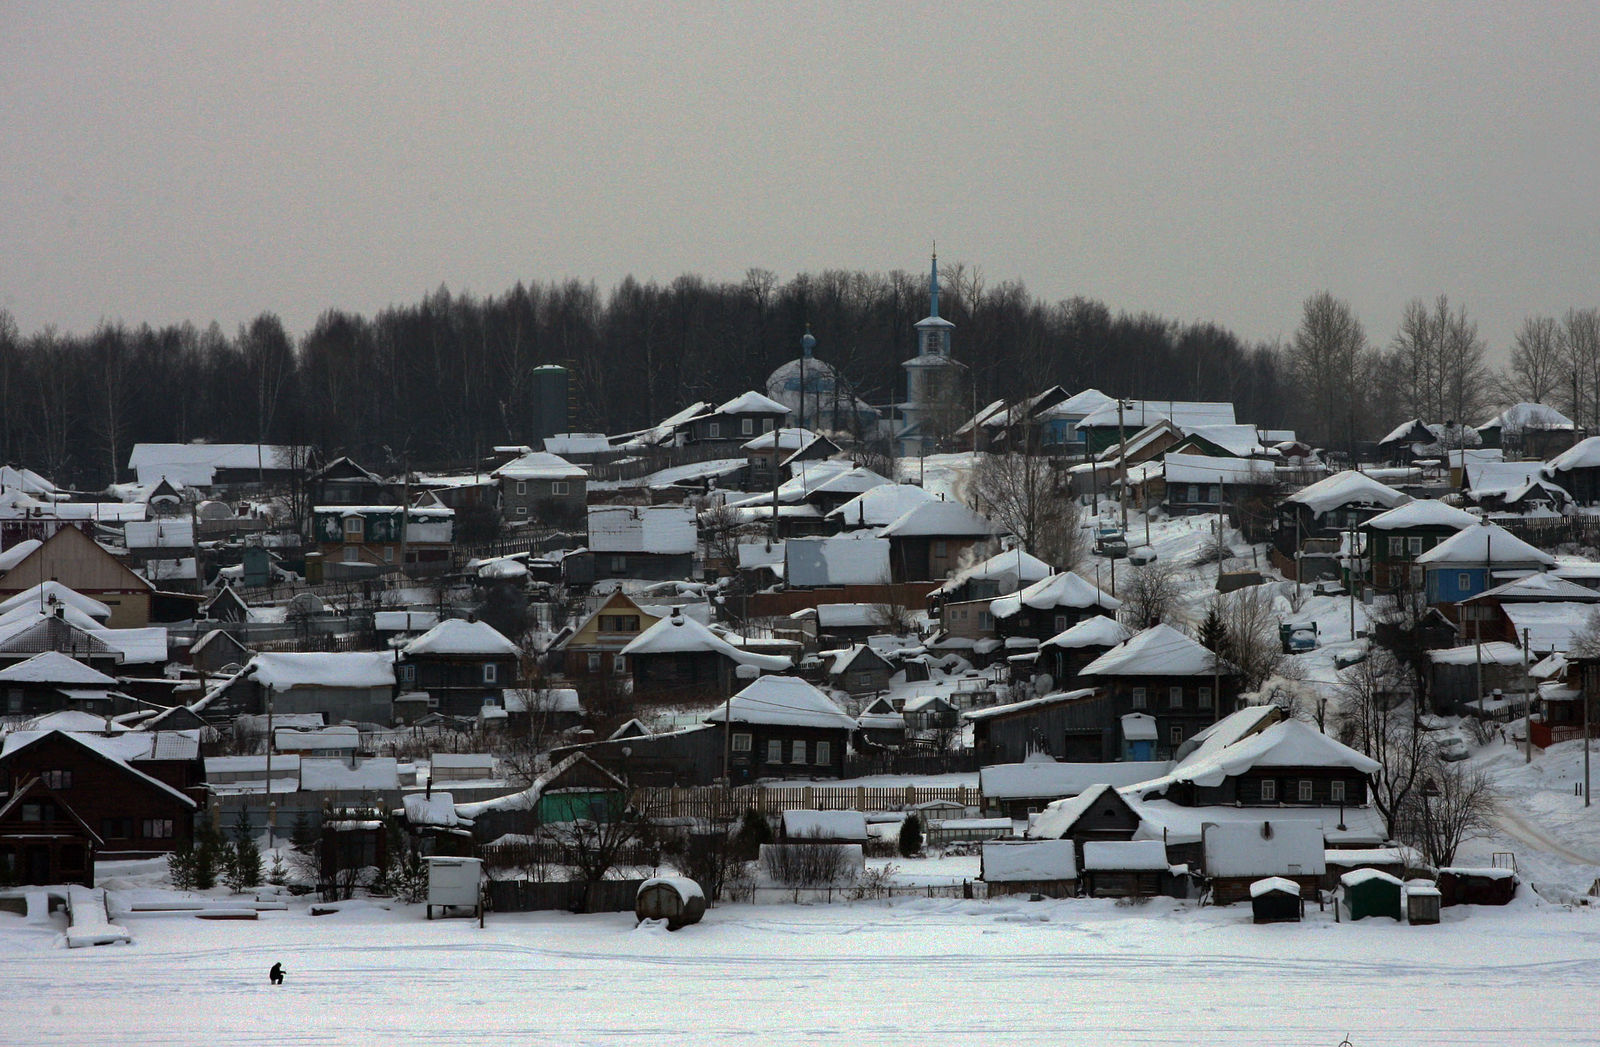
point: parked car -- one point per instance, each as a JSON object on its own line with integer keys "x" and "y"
{"x": 1141, "y": 556}
{"x": 1451, "y": 748}
{"x": 1298, "y": 637}
{"x": 1111, "y": 544}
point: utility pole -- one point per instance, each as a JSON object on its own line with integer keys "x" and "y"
{"x": 272, "y": 805}
{"x": 1587, "y": 698}
{"x": 1527, "y": 705}
{"x": 1477, "y": 655}
{"x": 1122, "y": 467}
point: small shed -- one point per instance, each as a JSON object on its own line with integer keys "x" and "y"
{"x": 1045, "y": 867}
{"x": 675, "y": 899}
{"x": 825, "y": 826}
{"x": 1276, "y": 899}
{"x": 455, "y": 883}
{"x": 1370, "y": 892}
{"x": 1422, "y": 902}
{"x": 935, "y": 812}
{"x": 1462, "y": 886}
{"x": 1125, "y": 868}
{"x": 1340, "y": 860}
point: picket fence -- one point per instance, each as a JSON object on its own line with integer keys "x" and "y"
{"x": 716, "y": 803}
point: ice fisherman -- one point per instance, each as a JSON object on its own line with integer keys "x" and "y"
{"x": 276, "y": 974}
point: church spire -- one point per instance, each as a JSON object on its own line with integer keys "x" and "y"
{"x": 933, "y": 285}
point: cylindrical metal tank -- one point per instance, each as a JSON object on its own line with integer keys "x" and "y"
{"x": 675, "y": 899}
{"x": 549, "y": 401}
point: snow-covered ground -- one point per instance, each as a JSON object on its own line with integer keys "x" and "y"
{"x": 925, "y": 971}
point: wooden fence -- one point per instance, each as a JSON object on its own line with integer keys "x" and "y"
{"x": 715, "y": 803}
{"x": 535, "y": 896}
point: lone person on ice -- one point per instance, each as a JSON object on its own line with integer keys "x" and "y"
{"x": 276, "y": 974}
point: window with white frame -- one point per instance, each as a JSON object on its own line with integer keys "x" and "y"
{"x": 522, "y": 487}
{"x": 1397, "y": 547}
{"x": 1175, "y": 697}
{"x": 1205, "y": 697}
{"x": 355, "y": 528}
{"x": 714, "y": 430}
{"x": 522, "y": 510}
{"x": 741, "y": 743}
{"x": 157, "y": 828}
{"x": 1061, "y": 623}
{"x": 558, "y": 487}
{"x": 1139, "y": 697}
{"x": 798, "y": 752}
{"x": 774, "y": 751}
{"x": 1415, "y": 544}
{"x": 1463, "y": 581}
{"x": 824, "y": 753}
{"x": 1269, "y": 790}
{"x": 747, "y": 426}
{"x": 1336, "y": 791}
{"x": 1175, "y": 736}
{"x": 1307, "y": 790}
{"x": 594, "y": 661}
{"x": 490, "y": 672}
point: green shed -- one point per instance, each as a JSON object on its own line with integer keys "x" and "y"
{"x": 1370, "y": 892}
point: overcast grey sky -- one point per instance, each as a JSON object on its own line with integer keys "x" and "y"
{"x": 1210, "y": 162}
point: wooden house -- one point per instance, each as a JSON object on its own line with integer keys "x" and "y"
{"x": 1164, "y": 673}
{"x": 684, "y": 757}
{"x": 782, "y": 727}
{"x": 1099, "y": 814}
{"x": 1477, "y": 886}
{"x": 1464, "y": 565}
{"x": 1068, "y": 725}
{"x": 358, "y": 686}
{"x": 51, "y": 681}
{"x": 1063, "y": 656}
{"x": 1202, "y": 483}
{"x": 1576, "y": 470}
{"x": 542, "y": 489}
{"x": 631, "y": 541}
{"x": 75, "y": 561}
{"x": 1529, "y": 430}
{"x": 462, "y": 665}
{"x": 678, "y": 659}
{"x": 593, "y": 650}
{"x": 1035, "y": 785}
{"x": 881, "y": 724}
{"x": 217, "y": 650}
{"x": 357, "y": 540}
{"x": 1325, "y": 510}
{"x": 1125, "y": 869}
{"x": 343, "y": 482}
{"x": 1407, "y": 442}
{"x": 859, "y": 670}
{"x": 133, "y": 792}
{"x": 928, "y": 541}
{"x": 1102, "y": 428}
{"x": 730, "y": 424}
{"x": 1396, "y": 538}
{"x": 927, "y": 713}
{"x": 772, "y": 457}
{"x": 1547, "y": 607}
{"x": 1050, "y": 607}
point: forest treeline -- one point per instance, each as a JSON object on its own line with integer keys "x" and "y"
{"x": 436, "y": 383}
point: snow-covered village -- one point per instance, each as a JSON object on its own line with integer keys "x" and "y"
{"x": 607, "y": 524}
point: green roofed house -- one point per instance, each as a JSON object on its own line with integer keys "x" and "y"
{"x": 1396, "y": 538}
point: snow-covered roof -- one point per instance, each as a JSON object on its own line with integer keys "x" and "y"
{"x": 438, "y": 809}
{"x": 28, "y": 482}
{"x": 1549, "y": 626}
{"x": 1057, "y": 819}
{"x": 42, "y": 594}
{"x": 175, "y": 533}
{"x": 825, "y": 825}
{"x": 1287, "y": 743}
{"x": 1012, "y": 568}
{"x": 196, "y": 464}
{"x": 935, "y": 519}
{"x": 333, "y": 774}
{"x": 457, "y": 636}
{"x": 880, "y": 506}
{"x": 1265, "y": 848}
{"x": 1159, "y": 650}
{"x": 847, "y": 615}
{"x": 1518, "y": 417}
{"x": 810, "y": 562}
{"x": 1033, "y": 779}
{"x": 1200, "y": 468}
{"x": 1585, "y": 454}
{"x": 786, "y": 700}
{"x": 15, "y": 554}
{"x": 404, "y": 621}
{"x": 679, "y": 634}
{"x": 1412, "y": 428}
{"x": 1356, "y": 877}
{"x": 1423, "y": 512}
{"x": 1541, "y": 587}
{"x": 577, "y": 443}
{"x": 1110, "y": 855}
{"x": 283, "y": 670}
{"x": 842, "y": 659}
{"x": 53, "y": 667}
{"x": 852, "y": 481}
{"x": 662, "y": 529}
{"x": 540, "y": 465}
{"x": 120, "y": 749}
{"x": 1243, "y": 441}
{"x": 1067, "y": 589}
{"x": 1487, "y": 543}
{"x": 751, "y": 402}
{"x": 1494, "y": 652}
{"x": 787, "y": 439}
{"x": 1096, "y": 631}
{"x": 1274, "y": 885}
{"x": 1021, "y": 861}
{"x": 1140, "y": 413}
{"x": 1347, "y": 488}
{"x": 528, "y": 799}
{"x": 1078, "y": 405}
{"x": 1488, "y": 479}
{"x": 1138, "y": 727}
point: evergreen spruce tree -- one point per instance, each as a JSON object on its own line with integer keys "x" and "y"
{"x": 753, "y": 832}
{"x": 911, "y": 836}
{"x": 211, "y": 854}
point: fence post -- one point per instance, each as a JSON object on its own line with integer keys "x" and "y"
{"x": 861, "y": 797}
{"x": 805, "y": 798}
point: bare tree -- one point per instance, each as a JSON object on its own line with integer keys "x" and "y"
{"x": 595, "y": 847}
{"x": 1454, "y": 805}
{"x": 1443, "y": 370}
{"x": 1580, "y": 352}
{"x": 894, "y": 618}
{"x": 1024, "y": 494}
{"x": 805, "y": 863}
{"x": 1150, "y": 595}
{"x": 1534, "y": 374}
{"x": 1373, "y": 721}
{"x": 1326, "y": 359}
{"x": 1249, "y": 634}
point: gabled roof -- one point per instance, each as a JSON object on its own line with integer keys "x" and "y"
{"x": 935, "y": 519}
{"x": 1485, "y": 479}
{"x": 540, "y": 465}
{"x": 1543, "y": 587}
{"x": 1140, "y": 413}
{"x": 679, "y": 634}
{"x": 1242, "y": 441}
{"x": 457, "y": 636}
{"x": 1410, "y": 431}
{"x": 1518, "y": 417}
{"x": 1067, "y": 589}
{"x": 1013, "y": 568}
{"x": 1487, "y": 543}
{"x": 1207, "y": 469}
{"x": 283, "y": 670}
{"x": 836, "y": 561}
{"x": 1160, "y": 650}
{"x": 1347, "y": 488}
{"x": 1056, "y": 820}
{"x": 785, "y": 700}
{"x": 1288, "y": 743}
{"x": 881, "y": 505}
{"x": 1078, "y": 405}
{"x": 1585, "y": 454}
{"x": 659, "y": 529}
{"x": 528, "y": 799}
{"x": 843, "y": 660}
{"x": 1095, "y": 631}
{"x": 40, "y": 596}
{"x": 110, "y": 750}
{"x": 36, "y": 785}
{"x": 1424, "y": 512}
{"x": 790, "y": 439}
{"x": 751, "y": 402}
{"x": 53, "y": 667}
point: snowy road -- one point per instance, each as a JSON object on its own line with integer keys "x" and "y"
{"x": 1001, "y": 972}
